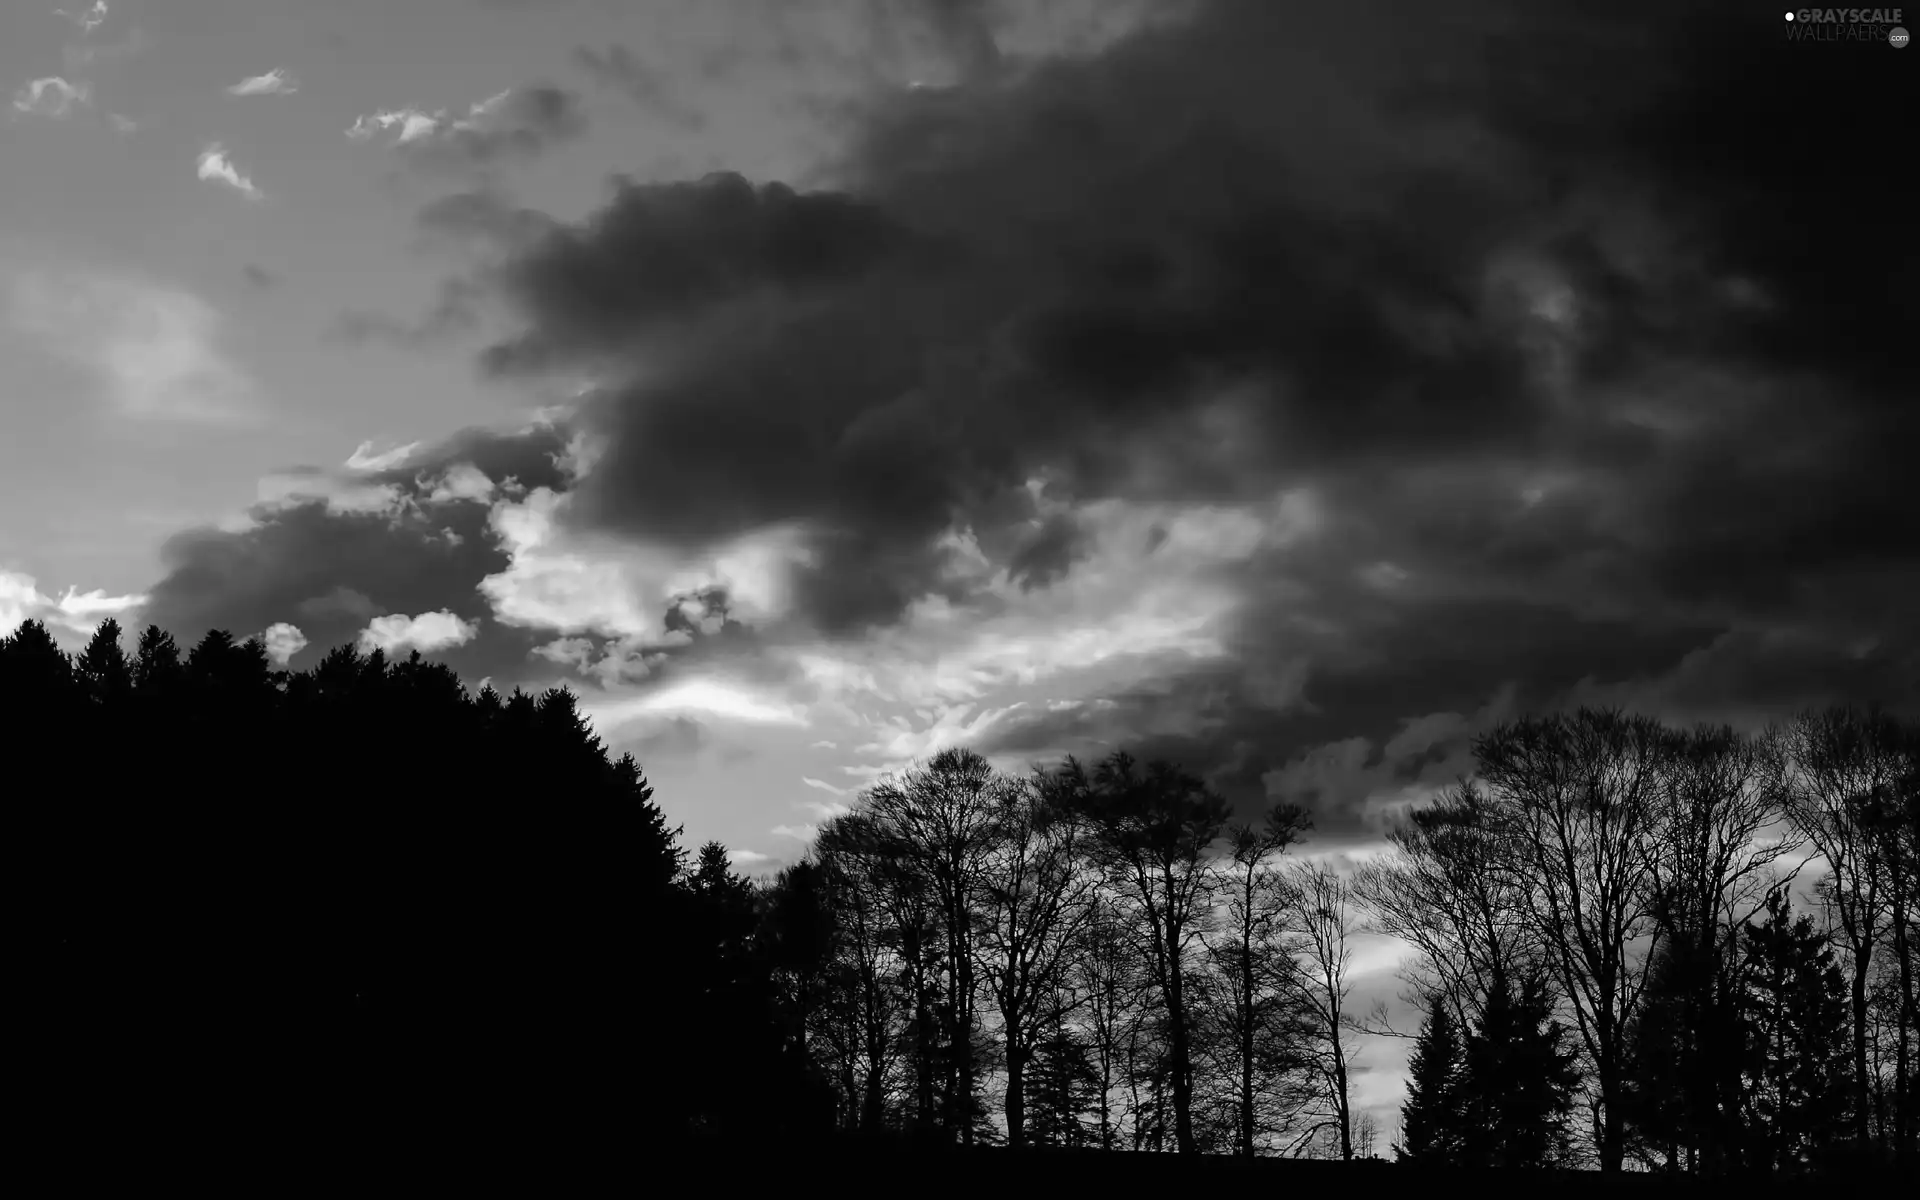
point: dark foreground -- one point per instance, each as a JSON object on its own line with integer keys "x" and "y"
{"x": 993, "y": 1171}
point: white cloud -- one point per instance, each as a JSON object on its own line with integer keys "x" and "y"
{"x": 823, "y": 785}
{"x": 75, "y": 614}
{"x": 155, "y": 347}
{"x": 216, "y": 167}
{"x": 710, "y": 697}
{"x": 276, "y": 82}
{"x": 52, "y": 97}
{"x": 364, "y": 459}
{"x": 577, "y": 583}
{"x": 283, "y": 641}
{"x": 88, "y": 19}
{"x": 341, "y": 495}
{"x": 748, "y": 858}
{"x": 427, "y": 632}
{"x": 463, "y": 481}
{"x": 1155, "y": 583}
{"x": 411, "y": 124}
{"x": 824, "y": 810}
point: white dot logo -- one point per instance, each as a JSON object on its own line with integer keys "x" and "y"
{"x": 1789, "y": 16}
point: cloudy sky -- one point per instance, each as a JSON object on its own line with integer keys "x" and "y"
{"x": 1290, "y": 389}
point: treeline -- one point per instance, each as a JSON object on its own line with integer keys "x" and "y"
{"x": 1613, "y": 971}
{"x": 361, "y": 898}
{"x": 358, "y": 904}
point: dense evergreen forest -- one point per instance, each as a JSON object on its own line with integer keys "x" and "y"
{"x": 364, "y": 899}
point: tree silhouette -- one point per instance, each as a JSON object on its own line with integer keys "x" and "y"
{"x": 1580, "y": 798}
{"x": 1033, "y": 899}
{"x": 1798, "y": 1106}
{"x": 104, "y": 671}
{"x": 1517, "y": 1082}
{"x": 1849, "y": 758}
{"x": 1263, "y": 1024}
{"x": 359, "y": 897}
{"x": 1431, "y": 1127}
{"x": 1152, "y": 832}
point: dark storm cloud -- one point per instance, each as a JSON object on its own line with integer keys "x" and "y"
{"x": 1582, "y": 319}
{"x": 329, "y": 570}
{"x": 1047, "y": 553}
{"x": 1036, "y": 275}
{"x": 662, "y": 254}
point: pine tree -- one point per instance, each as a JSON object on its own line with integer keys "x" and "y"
{"x": 156, "y": 662}
{"x": 1518, "y": 1082}
{"x": 33, "y": 665}
{"x": 1062, "y": 1085}
{"x": 1795, "y": 1017}
{"x": 1684, "y": 1061}
{"x": 1429, "y": 1119}
{"x": 103, "y": 669}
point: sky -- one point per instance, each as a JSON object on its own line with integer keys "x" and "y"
{"x": 1291, "y": 390}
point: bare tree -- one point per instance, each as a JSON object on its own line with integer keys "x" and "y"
{"x": 1441, "y": 889}
{"x": 939, "y": 820}
{"x": 1034, "y": 898}
{"x": 1723, "y": 840}
{"x": 1152, "y": 830}
{"x": 1109, "y": 986}
{"x": 1322, "y": 912}
{"x": 862, "y": 1020}
{"x": 1845, "y": 762}
{"x": 1366, "y": 1132}
{"x": 1580, "y": 797}
{"x": 1253, "y": 972}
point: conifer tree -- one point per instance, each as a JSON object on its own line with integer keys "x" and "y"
{"x": 1518, "y": 1082}
{"x": 103, "y": 668}
{"x": 1430, "y": 1131}
{"x": 1799, "y": 1065}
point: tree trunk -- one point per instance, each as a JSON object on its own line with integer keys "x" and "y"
{"x": 1182, "y": 1055}
{"x": 1016, "y": 1087}
{"x": 1106, "y": 1094}
{"x": 1862, "y": 1093}
{"x": 1903, "y": 1064}
{"x": 1613, "y": 1126}
{"x": 1246, "y": 1043}
{"x": 1343, "y": 1108}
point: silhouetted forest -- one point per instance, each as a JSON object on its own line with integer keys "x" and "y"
{"x": 361, "y": 898}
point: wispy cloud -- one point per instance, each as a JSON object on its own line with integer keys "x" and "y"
{"x": 277, "y": 82}
{"x": 519, "y": 122}
{"x": 427, "y": 632}
{"x": 75, "y": 614}
{"x": 644, "y": 83}
{"x": 52, "y": 97}
{"x": 216, "y": 167}
{"x": 364, "y": 458}
{"x": 88, "y": 19}
{"x": 155, "y": 348}
{"x": 712, "y": 697}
